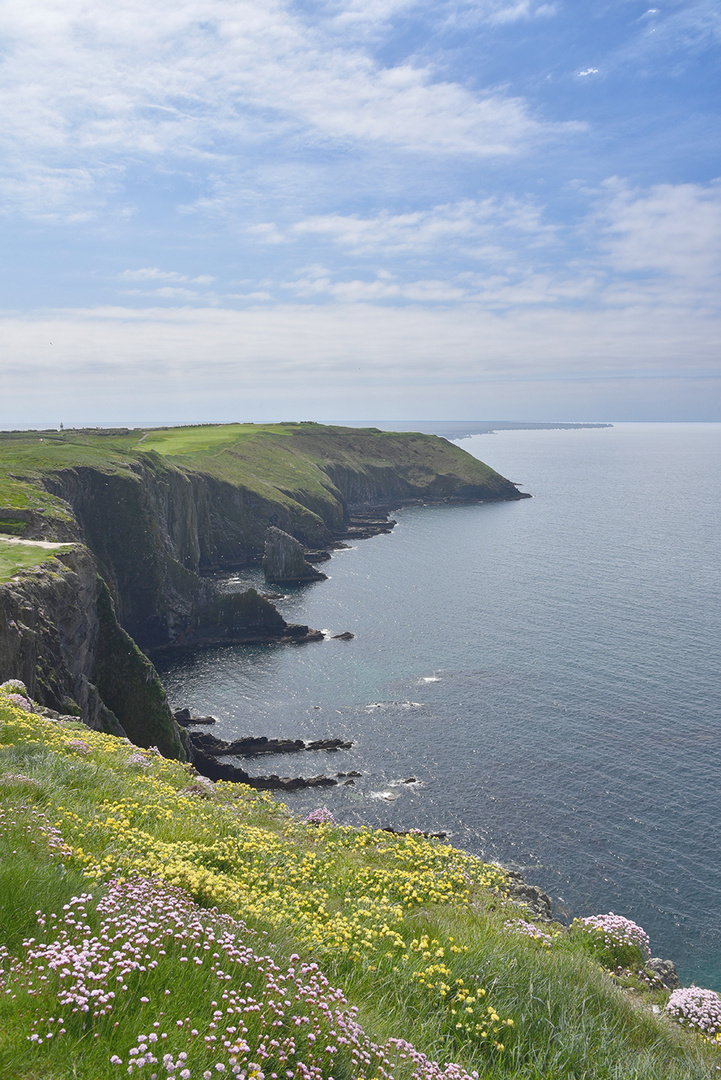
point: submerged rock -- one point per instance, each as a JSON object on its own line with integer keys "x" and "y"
{"x": 285, "y": 559}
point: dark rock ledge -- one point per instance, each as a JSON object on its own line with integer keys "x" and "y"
{"x": 252, "y": 746}
{"x": 213, "y": 769}
{"x": 207, "y": 749}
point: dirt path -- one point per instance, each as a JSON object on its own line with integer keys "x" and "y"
{"x": 50, "y": 544}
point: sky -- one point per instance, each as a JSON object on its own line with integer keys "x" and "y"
{"x": 359, "y": 209}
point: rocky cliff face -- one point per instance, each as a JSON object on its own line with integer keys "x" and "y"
{"x": 377, "y": 485}
{"x": 64, "y": 642}
{"x": 152, "y": 528}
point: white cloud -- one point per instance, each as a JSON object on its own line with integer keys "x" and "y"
{"x": 495, "y": 12}
{"x": 493, "y": 292}
{"x": 659, "y": 246}
{"x": 500, "y": 11}
{"x": 50, "y": 194}
{"x": 458, "y": 226}
{"x": 588, "y": 71}
{"x": 318, "y": 282}
{"x": 371, "y": 15}
{"x": 153, "y": 273}
{"x": 668, "y": 238}
{"x": 86, "y": 88}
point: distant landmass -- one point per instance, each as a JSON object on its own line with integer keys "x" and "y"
{"x": 463, "y": 429}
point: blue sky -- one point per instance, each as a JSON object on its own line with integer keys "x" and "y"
{"x": 359, "y": 209}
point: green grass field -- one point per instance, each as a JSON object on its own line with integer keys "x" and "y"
{"x": 15, "y": 558}
{"x": 214, "y": 933}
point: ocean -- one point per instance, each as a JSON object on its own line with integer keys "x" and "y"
{"x": 538, "y": 679}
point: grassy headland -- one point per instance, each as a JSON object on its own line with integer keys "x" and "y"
{"x": 155, "y": 923}
{"x": 149, "y": 514}
{"x": 157, "y": 508}
{"x": 289, "y": 464}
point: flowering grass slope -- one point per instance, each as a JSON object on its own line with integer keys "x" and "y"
{"x": 159, "y": 925}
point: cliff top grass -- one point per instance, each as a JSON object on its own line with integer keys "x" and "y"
{"x": 16, "y": 557}
{"x": 31, "y": 455}
{"x": 276, "y": 452}
{"x": 289, "y": 464}
{"x": 155, "y": 923}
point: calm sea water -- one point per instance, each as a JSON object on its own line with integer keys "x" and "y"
{"x": 546, "y": 671}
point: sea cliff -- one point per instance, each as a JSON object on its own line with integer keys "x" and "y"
{"x": 151, "y": 516}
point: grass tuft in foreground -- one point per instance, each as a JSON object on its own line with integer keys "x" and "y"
{"x": 156, "y": 924}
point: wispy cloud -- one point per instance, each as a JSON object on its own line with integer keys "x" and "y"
{"x": 491, "y": 292}
{"x": 503, "y": 11}
{"x": 666, "y": 240}
{"x": 655, "y": 247}
{"x": 680, "y": 26}
{"x": 369, "y": 15}
{"x": 86, "y": 88}
{"x": 461, "y": 225}
{"x": 153, "y": 273}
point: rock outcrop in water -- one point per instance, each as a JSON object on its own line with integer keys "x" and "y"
{"x": 207, "y": 764}
{"x": 284, "y": 560}
{"x": 251, "y": 746}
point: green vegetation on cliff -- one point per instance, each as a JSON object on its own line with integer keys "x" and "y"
{"x": 310, "y": 471}
{"x": 125, "y": 677}
{"x": 21, "y": 556}
{"x": 123, "y": 880}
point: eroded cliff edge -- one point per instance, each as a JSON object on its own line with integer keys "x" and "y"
{"x": 154, "y": 514}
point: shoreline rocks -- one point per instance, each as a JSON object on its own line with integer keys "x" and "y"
{"x": 415, "y": 832}
{"x": 208, "y": 749}
{"x": 538, "y": 902}
{"x": 250, "y": 746}
{"x": 209, "y": 766}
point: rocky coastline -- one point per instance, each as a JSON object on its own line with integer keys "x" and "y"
{"x": 207, "y": 750}
{"x": 152, "y": 526}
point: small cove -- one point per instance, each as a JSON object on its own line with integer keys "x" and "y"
{"x": 546, "y": 671}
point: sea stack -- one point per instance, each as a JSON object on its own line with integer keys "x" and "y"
{"x": 285, "y": 561}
